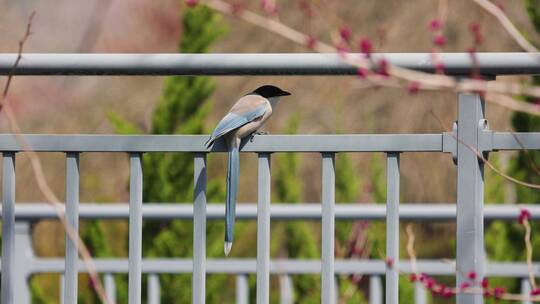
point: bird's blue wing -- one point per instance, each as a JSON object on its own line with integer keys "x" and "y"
{"x": 233, "y": 121}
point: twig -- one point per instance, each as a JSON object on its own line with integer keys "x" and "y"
{"x": 410, "y": 248}
{"x": 37, "y": 169}
{"x": 529, "y": 249}
{"x": 507, "y": 25}
{"x": 397, "y": 76}
{"x": 529, "y": 157}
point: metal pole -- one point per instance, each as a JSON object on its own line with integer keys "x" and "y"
{"x": 491, "y": 63}
{"x": 392, "y": 228}
{"x": 242, "y": 289}
{"x": 24, "y": 260}
{"x": 286, "y": 289}
{"x": 199, "y": 229}
{"x": 470, "y": 195}
{"x": 154, "y": 289}
{"x": 525, "y": 289}
{"x": 62, "y": 288}
{"x": 375, "y": 290}
{"x": 135, "y": 228}
{"x": 420, "y": 295}
{"x": 72, "y": 219}
{"x": 328, "y": 223}
{"x": 110, "y": 287}
{"x": 8, "y": 226}
{"x": 263, "y": 230}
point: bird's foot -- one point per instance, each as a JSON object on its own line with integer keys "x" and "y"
{"x": 257, "y": 133}
{"x": 227, "y": 248}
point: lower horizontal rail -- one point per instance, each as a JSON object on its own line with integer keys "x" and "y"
{"x": 358, "y": 211}
{"x": 291, "y": 266}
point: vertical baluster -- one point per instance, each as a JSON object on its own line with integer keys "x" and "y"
{"x": 72, "y": 219}
{"x": 242, "y": 289}
{"x": 135, "y": 228}
{"x": 8, "y": 226}
{"x": 375, "y": 290}
{"x": 525, "y": 289}
{"x": 470, "y": 195}
{"x": 199, "y": 229}
{"x": 328, "y": 224}
{"x": 154, "y": 289}
{"x": 110, "y": 287}
{"x": 263, "y": 230}
{"x": 420, "y": 295}
{"x": 392, "y": 228}
{"x": 62, "y": 288}
{"x": 286, "y": 289}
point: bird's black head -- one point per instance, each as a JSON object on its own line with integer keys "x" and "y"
{"x": 269, "y": 91}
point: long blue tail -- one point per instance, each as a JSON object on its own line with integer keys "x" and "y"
{"x": 233, "y": 171}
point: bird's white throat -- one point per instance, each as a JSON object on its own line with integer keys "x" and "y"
{"x": 274, "y": 101}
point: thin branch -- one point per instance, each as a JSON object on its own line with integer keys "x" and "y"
{"x": 398, "y": 77}
{"x": 507, "y": 25}
{"x": 37, "y": 169}
{"x": 529, "y": 249}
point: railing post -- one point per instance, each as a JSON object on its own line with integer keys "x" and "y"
{"x": 328, "y": 223}
{"x": 199, "y": 229}
{"x": 375, "y": 290}
{"x": 23, "y": 261}
{"x": 154, "y": 289}
{"x": 285, "y": 289}
{"x": 526, "y": 290}
{"x": 242, "y": 289}
{"x": 392, "y": 228}
{"x": 263, "y": 230}
{"x": 470, "y": 194}
{"x": 110, "y": 286}
{"x": 8, "y": 226}
{"x": 135, "y": 228}
{"x": 420, "y": 294}
{"x": 72, "y": 220}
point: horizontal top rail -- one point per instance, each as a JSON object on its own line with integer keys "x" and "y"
{"x": 282, "y": 266}
{"x": 195, "y": 143}
{"x": 257, "y": 64}
{"x": 265, "y": 143}
{"x": 281, "y": 211}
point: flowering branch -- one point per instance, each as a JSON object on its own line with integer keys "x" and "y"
{"x": 37, "y": 169}
{"x": 498, "y": 13}
{"x": 381, "y": 72}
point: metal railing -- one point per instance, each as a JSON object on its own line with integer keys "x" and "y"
{"x": 471, "y": 129}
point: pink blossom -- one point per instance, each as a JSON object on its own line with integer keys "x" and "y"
{"x": 413, "y": 87}
{"x": 311, "y": 42}
{"x": 192, "y": 3}
{"x": 345, "y": 33}
{"x": 464, "y": 286}
{"x": 485, "y": 283}
{"x": 413, "y": 277}
{"x": 471, "y": 275}
{"x": 439, "y": 67}
{"x": 389, "y": 262}
{"x": 269, "y": 7}
{"x": 383, "y": 68}
{"x": 362, "y": 73}
{"x": 524, "y": 214}
{"x": 435, "y": 25}
{"x": 447, "y": 292}
{"x": 439, "y": 40}
{"x": 365, "y": 46}
{"x": 535, "y": 292}
{"x": 498, "y": 292}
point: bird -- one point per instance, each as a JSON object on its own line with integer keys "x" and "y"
{"x": 244, "y": 119}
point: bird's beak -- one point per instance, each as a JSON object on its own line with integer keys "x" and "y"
{"x": 285, "y": 93}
